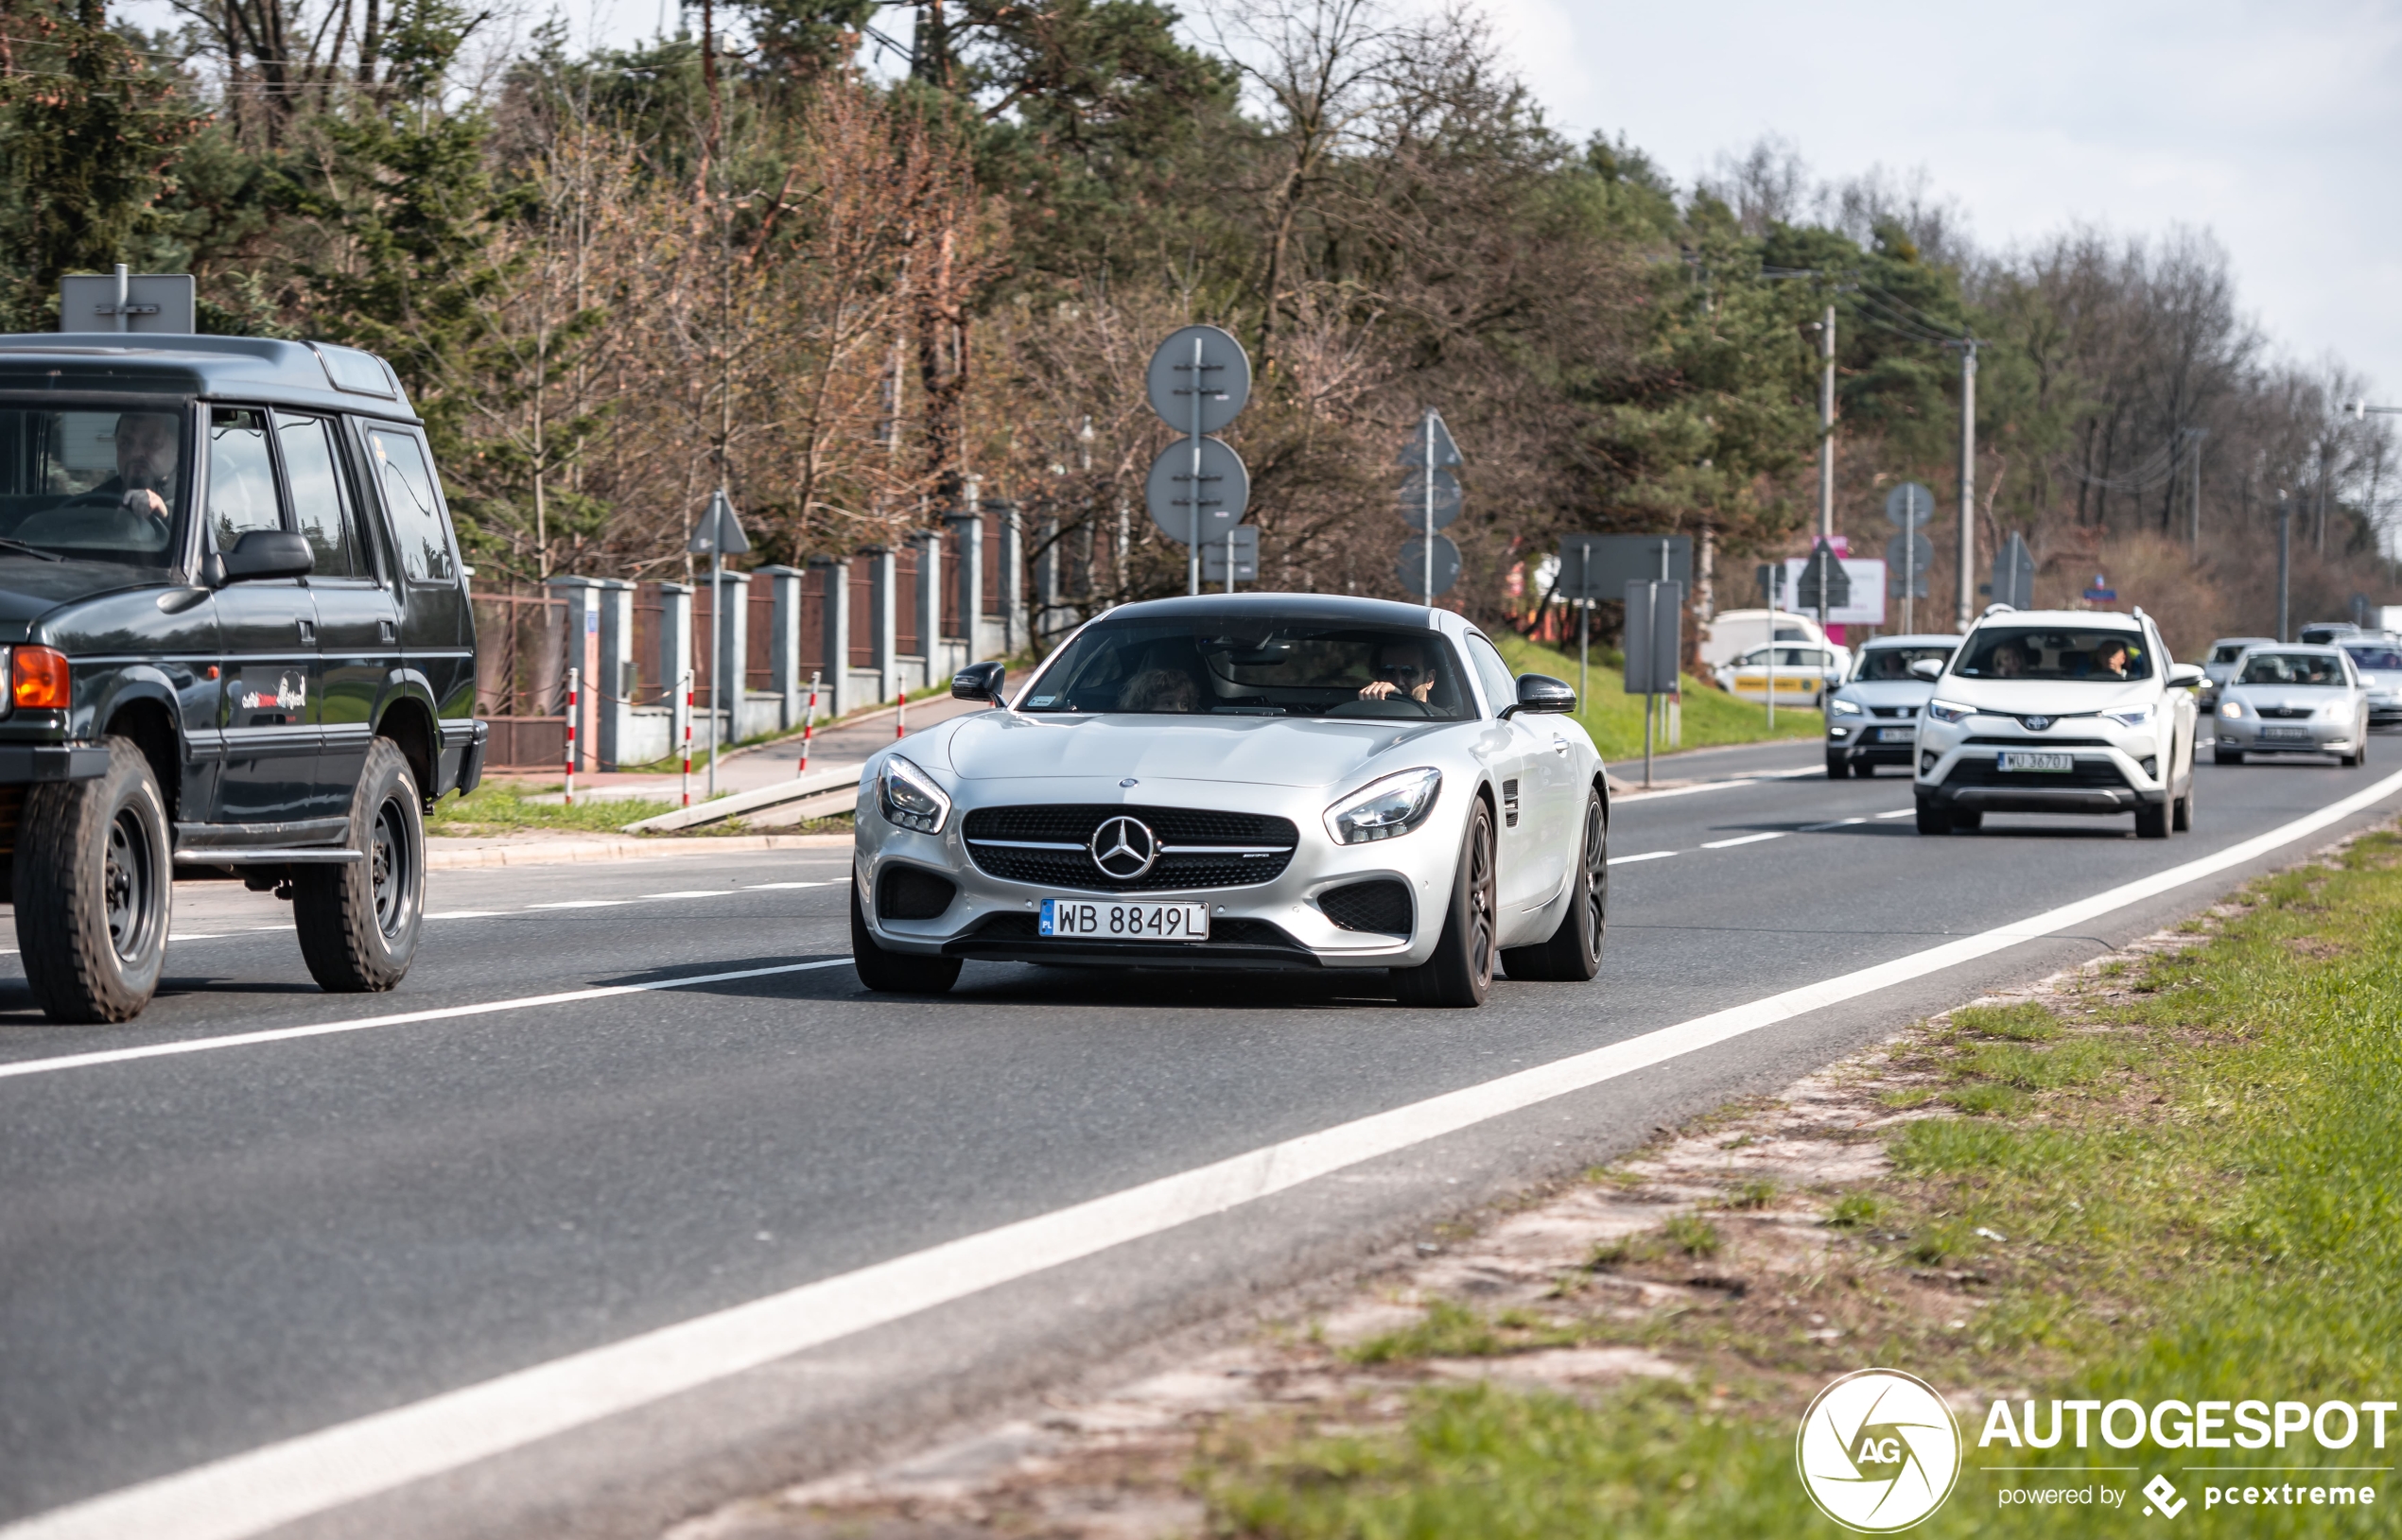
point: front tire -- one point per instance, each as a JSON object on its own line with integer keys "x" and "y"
{"x": 2182, "y": 818}
{"x": 2226, "y": 756}
{"x": 358, "y": 921}
{"x": 888, "y": 972}
{"x": 1460, "y": 973}
{"x": 2152, "y": 821}
{"x": 1934, "y": 819}
{"x": 1573, "y": 955}
{"x": 94, "y": 891}
{"x": 1838, "y": 768}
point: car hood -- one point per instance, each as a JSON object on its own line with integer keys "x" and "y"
{"x": 31, "y": 588}
{"x": 1257, "y": 751}
{"x": 2044, "y": 696}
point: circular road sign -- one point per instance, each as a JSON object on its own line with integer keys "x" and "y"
{"x": 1220, "y": 493}
{"x": 1909, "y": 506}
{"x": 1209, "y": 356}
{"x": 1411, "y": 502}
{"x": 1909, "y": 552}
{"x": 1412, "y": 567}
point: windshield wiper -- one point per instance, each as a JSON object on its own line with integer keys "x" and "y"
{"x": 19, "y": 546}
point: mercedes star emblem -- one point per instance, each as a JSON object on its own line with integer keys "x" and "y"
{"x": 1124, "y": 848}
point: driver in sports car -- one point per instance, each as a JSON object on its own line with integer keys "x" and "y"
{"x": 146, "y": 454}
{"x": 1400, "y": 670}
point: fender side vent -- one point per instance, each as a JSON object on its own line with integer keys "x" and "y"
{"x": 1381, "y": 906}
{"x": 910, "y": 893}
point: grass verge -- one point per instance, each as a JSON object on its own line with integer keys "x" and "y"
{"x": 2176, "y": 1182}
{"x": 1614, "y": 718}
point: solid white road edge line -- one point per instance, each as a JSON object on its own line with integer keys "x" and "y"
{"x": 1743, "y": 840}
{"x": 403, "y": 1019}
{"x": 1647, "y": 855}
{"x": 1625, "y": 797}
{"x": 249, "y": 1493}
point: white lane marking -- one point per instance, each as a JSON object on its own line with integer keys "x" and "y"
{"x": 691, "y": 892}
{"x": 1647, "y": 855}
{"x": 829, "y": 882}
{"x": 1899, "y": 812}
{"x": 583, "y": 904}
{"x": 247, "y": 1493}
{"x": 1743, "y": 840}
{"x": 1838, "y": 824}
{"x": 1710, "y": 786}
{"x": 462, "y": 914}
{"x": 402, "y": 1018}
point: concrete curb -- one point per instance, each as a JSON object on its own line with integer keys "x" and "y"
{"x": 561, "y": 852}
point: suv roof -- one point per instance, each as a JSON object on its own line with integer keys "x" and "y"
{"x": 2066, "y": 619}
{"x": 319, "y": 374}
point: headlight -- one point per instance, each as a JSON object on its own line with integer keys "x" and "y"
{"x": 1943, "y": 710}
{"x": 1385, "y": 808}
{"x": 2337, "y": 711}
{"x": 1843, "y": 708}
{"x": 2231, "y": 708}
{"x": 2133, "y": 717}
{"x": 910, "y": 798}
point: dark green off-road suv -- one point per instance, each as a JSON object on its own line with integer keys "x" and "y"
{"x": 235, "y": 629}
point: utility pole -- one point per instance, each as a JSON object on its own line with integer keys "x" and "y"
{"x": 1967, "y": 586}
{"x": 2193, "y": 506}
{"x": 2285, "y": 555}
{"x": 2326, "y": 450}
{"x": 1826, "y": 426}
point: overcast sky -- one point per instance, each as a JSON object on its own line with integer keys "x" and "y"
{"x": 2276, "y": 128}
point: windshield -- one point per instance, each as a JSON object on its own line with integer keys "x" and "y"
{"x": 2378, "y": 657}
{"x": 2230, "y": 652}
{"x": 2022, "y": 652}
{"x": 2293, "y": 668}
{"x": 1891, "y": 663}
{"x": 1789, "y": 657}
{"x": 96, "y": 485}
{"x": 1254, "y": 664}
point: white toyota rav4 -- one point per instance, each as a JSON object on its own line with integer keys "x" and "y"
{"x": 2058, "y": 711}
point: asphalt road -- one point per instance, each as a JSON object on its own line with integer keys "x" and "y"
{"x": 208, "y": 1252}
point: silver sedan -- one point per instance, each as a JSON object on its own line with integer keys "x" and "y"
{"x": 1258, "y": 780}
{"x": 2292, "y": 698}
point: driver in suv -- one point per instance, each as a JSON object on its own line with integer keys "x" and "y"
{"x": 2058, "y": 712}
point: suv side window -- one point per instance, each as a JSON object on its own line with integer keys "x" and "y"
{"x": 241, "y": 476}
{"x": 318, "y": 501}
{"x": 406, "y": 482}
{"x": 1501, "y": 690}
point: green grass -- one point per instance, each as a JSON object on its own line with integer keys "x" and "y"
{"x": 501, "y": 806}
{"x": 1614, "y": 718}
{"x": 2202, "y": 1194}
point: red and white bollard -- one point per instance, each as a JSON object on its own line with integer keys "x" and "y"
{"x": 900, "y": 718}
{"x": 572, "y": 682}
{"x": 687, "y": 684}
{"x": 808, "y": 723}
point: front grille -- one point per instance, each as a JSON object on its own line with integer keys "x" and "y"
{"x": 1382, "y": 905}
{"x": 1894, "y": 711}
{"x": 2288, "y": 714}
{"x": 909, "y": 892}
{"x": 2085, "y": 772}
{"x": 2045, "y": 742}
{"x": 1268, "y": 843}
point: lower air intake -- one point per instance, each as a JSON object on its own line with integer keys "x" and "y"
{"x": 1381, "y": 906}
{"x": 909, "y": 892}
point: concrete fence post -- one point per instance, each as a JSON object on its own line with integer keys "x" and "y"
{"x": 732, "y": 607}
{"x": 929, "y": 606}
{"x": 883, "y": 620}
{"x": 836, "y": 611}
{"x": 615, "y": 684}
{"x": 969, "y": 530}
{"x": 787, "y": 679}
{"x": 581, "y": 653}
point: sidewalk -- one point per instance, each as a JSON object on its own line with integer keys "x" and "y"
{"x": 761, "y": 765}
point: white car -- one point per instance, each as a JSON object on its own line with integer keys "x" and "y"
{"x": 2379, "y": 659}
{"x": 1256, "y": 781}
{"x": 2306, "y": 700}
{"x": 1801, "y": 673}
{"x": 1871, "y": 720}
{"x": 2060, "y": 711}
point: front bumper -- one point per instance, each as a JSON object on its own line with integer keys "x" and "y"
{"x": 1960, "y": 767}
{"x": 1277, "y": 923}
{"x": 2309, "y": 737}
{"x": 1872, "y": 740}
{"x": 22, "y": 763}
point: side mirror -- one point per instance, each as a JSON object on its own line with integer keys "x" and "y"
{"x": 269, "y": 553}
{"x": 2183, "y": 676}
{"x": 1541, "y": 692}
{"x": 1929, "y": 669}
{"x": 978, "y": 682}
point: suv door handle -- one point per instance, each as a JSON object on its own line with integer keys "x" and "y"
{"x": 386, "y": 631}
{"x": 308, "y": 631}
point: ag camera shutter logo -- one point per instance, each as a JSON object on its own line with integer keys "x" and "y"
{"x": 1878, "y": 1451}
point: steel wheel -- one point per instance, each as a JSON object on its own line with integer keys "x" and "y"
{"x": 130, "y": 887}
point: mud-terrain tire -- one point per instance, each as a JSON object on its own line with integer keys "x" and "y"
{"x": 1460, "y": 973}
{"x": 94, "y": 891}
{"x": 358, "y": 921}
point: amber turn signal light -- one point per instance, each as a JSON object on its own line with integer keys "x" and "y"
{"x": 38, "y": 679}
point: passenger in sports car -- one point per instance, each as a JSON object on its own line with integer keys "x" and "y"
{"x": 1400, "y": 668}
{"x": 1159, "y": 689}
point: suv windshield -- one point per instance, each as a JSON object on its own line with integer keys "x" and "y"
{"x": 2292, "y": 668}
{"x": 2022, "y": 652}
{"x": 1255, "y": 665}
{"x": 91, "y": 484}
{"x": 1893, "y": 662}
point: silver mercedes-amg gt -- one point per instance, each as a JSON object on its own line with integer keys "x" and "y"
{"x": 1254, "y": 781}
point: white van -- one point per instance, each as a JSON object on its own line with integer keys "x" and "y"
{"x": 1730, "y": 633}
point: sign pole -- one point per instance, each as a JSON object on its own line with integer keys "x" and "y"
{"x": 717, "y": 650}
{"x": 1192, "y": 546}
{"x": 1650, "y": 666}
{"x": 1776, "y": 573}
{"x": 1430, "y": 516}
{"x": 1584, "y": 618}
